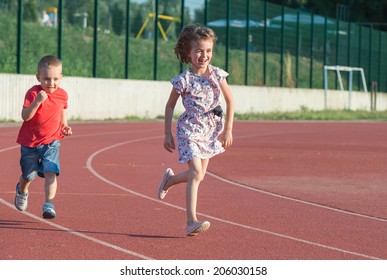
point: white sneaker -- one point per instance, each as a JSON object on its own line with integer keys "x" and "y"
{"x": 48, "y": 211}
{"x": 168, "y": 173}
{"x": 21, "y": 199}
{"x": 197, "y": 227}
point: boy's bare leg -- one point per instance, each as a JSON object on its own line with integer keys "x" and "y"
{"x": 24, "y": 185}
{"x": 50, "y": 186}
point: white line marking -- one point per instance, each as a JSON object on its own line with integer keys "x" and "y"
{"x": 89, "y": 166}
{"x": 95, "y": 173}
{"x": 296, "y": 199}
{"x": 74, "y": 232}
{"x": 9, "y": 148}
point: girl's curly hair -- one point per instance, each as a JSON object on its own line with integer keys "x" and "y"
{"x": 189, "y": 34}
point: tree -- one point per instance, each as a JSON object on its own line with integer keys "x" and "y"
{"x": 118, "y": 19}
{"x": 30, "y": 11}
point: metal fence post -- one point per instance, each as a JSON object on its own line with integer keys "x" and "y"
{"x": 127, "y": 34}
{"x": 155, "y": 52}
{"x": 337, "y": 45}
{"x": 311, "y": 51}
{"x": 182, "y": 18}
{"x": 95, "y": 43}
{"x": 264, "y": 41}
{"x": 205, "y": 12}
{"x": 228, "y": 33}
{"x": 380, "y": 55}
{"x": 282, "y": 45}
{"x": 247, "y": 42}
{"x": 374, "y": 91}
{"x": 298, "y": 48}
{"x": 60, "y": 27}
{"x": 359, "y": 56}
{"x": 19, "y": 36}
{"x": 349, "y": 44}
{"x": 325, "y": 40}
{"x": 370, "y": 54}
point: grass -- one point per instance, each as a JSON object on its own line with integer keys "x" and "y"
{"x": 310, "y": 115}
{"x": 303, "y": 114}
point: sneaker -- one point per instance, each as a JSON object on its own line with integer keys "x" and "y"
{"x": 197, "y": 227}
{"x": 21, "y": 199}
{"x": 48, "y": 211}
{"x": 168, "y": 173}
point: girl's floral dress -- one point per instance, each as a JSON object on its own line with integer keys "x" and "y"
{"x": 198, "y": 128}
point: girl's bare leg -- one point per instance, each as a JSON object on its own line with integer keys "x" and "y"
{"x": 197, "y": 170}
{"x": 181, "y": 177}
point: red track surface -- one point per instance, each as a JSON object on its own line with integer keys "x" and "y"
{"x": 284, "y": 190}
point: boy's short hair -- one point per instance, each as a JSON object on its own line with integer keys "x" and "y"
{"x": 48, "y": 61}
{"x": 188, "y": 34}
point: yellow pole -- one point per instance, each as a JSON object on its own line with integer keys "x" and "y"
{"x": 142, "y": 28}
{"x": 162, "y": 30}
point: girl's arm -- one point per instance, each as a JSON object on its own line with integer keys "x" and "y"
{"x": 226, "y": 136}
{"x": 66, "y": 130}
{"x": 169, "y": 143}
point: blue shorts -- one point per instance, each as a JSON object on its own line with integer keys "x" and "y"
{"x": 39, "y": 160}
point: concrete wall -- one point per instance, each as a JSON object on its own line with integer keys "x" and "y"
{"x": 98, "y": 99}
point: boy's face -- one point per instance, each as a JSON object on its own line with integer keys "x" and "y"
{"x": 50, "y": 78}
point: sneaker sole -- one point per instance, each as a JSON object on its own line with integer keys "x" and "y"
{"x": 24, "y": 208}
{"x": 19, "y": 208}
{"x": 49, "y": 215}
{"x": 204, "y": 227}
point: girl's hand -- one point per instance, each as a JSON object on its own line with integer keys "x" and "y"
{"x": 169, "y": 142}
{"x": 66, "y": 131}
{"x": 226, "y": 139}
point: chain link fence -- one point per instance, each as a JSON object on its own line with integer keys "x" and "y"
{"x": 260, "y": 44}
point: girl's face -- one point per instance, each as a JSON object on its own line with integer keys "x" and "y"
{"x": 50, "y": 78}
{"x": 201, "y": 55}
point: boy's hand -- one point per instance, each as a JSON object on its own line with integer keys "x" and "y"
{"x": 66, "y": 131}
{"x": 41, "y": 96}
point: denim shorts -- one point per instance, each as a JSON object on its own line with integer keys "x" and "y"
{"x": 39, "y": 160}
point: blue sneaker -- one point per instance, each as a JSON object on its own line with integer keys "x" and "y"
{"x": 21, "y": 199}
{"x": 48, "y": 211}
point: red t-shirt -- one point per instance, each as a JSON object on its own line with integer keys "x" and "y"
{"x": 45, "y": 126}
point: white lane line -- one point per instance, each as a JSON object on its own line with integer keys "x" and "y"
{"x": 74, "y": 232}
{"x": 342, "y": 211}
{"x": 9, "y": 148}
{"x": 89, "y": 166}
{"x": 95, "y": 173}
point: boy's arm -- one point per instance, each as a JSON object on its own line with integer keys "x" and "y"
{"x": 29, "y": 112}
{"x": 66, "y": 129}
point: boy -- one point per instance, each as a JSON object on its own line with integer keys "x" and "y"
{"x": 44, "y": 124}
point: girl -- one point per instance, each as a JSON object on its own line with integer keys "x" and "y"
{"x": 200, "y": 132}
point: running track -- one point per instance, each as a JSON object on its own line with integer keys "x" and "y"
{"x": 283, "y": 191}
